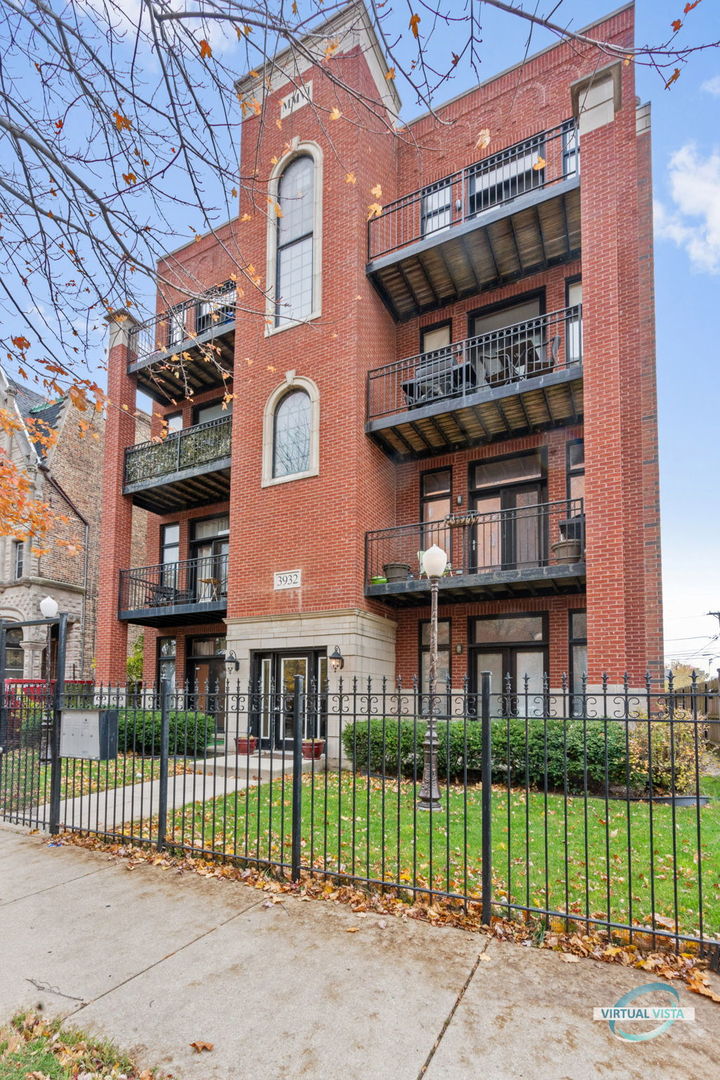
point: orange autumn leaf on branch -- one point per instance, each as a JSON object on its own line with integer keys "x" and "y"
{"x": 673, "y": 78}
{"x": 414, "y": 20}
{"x": 205, "y": 49}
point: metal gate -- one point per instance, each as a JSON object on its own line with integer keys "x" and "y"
{"x": 30, "y": 738}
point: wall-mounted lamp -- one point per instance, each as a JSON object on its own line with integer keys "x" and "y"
{"x": 458, "y": 648}
{"x": 231, "y": 659}
{"x": 337, "y": 660}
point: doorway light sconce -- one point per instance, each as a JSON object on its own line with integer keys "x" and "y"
{"x": 458, "y": 648}
{"x": 337, "y": 660}
{"x": 231, "y": 659}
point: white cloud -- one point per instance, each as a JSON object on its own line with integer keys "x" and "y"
{"x": 712, "y": 86}
{"x": 693, "y": 220}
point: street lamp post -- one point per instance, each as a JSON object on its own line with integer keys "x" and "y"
{"x": 434, "y": 561}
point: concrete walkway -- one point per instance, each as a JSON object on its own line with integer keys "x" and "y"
{"x": 107, "y": 810}
{"x": 156, "y": 959}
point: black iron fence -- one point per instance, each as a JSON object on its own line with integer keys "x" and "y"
{"x": 521, "y": 538}
{"x": 202, "y": 444}
{"x": 529, "y": 165}
{"x": 571, "y": 806}
{"x": 165, "y": 586}
{"x": 509, "y": 356}
{"x": 177, "y": 326}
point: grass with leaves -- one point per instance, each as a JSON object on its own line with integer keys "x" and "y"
{"x": 627, "y": 862}
{"x": 31, "y": 1046}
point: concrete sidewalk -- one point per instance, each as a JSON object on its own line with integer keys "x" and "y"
{"x": 156, "y": 959}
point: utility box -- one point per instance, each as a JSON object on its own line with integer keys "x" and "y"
{"x": 89, "y": 733}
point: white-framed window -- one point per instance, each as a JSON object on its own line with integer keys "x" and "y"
{"x": 295, "y": 238}
{"x": 18, "y": 559}
{"x": 291, "y": 431}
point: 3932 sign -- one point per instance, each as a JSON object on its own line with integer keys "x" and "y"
{"x": 287, "y": 579}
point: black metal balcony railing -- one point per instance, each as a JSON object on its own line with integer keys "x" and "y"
{"x": 171, "y": 585}
{"x": 200, "y": 445}
{"x": 173, "y": 329}
{"x": 511, "y": 355}
{"x": 525, "y": 537}
{"x": 532, "y": 164}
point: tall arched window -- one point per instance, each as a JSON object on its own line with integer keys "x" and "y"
{"x": 294, "y": 269}
{"x": 291, "y": 434}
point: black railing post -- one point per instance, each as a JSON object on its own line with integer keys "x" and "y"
{"x": 298, "y": 716}
{"x": 55, "y": 776}
{"x": 164, "y": 754}
{"x": 486, "y": 776}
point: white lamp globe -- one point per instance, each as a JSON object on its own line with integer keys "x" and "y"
{"x": 434, "y": 561}
{"x": 49, "y": 608}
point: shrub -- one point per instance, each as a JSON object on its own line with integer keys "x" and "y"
{"x": 523, "y": 752}
{"x": 139, "y": 731}
{"x": 664, "y": 751}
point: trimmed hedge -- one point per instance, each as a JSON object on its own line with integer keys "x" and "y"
{"x": 139, "y": 731}
{"x": 523, "y": 752}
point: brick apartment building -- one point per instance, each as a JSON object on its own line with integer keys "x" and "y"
{"x": 65, "y": 467}
{"x": 473, "y": 366}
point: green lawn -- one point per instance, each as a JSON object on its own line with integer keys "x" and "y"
{"x": 371, "y": 830}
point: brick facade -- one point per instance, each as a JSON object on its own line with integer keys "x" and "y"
{"x": 318, "y": 523}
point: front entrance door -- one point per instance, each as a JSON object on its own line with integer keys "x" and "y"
{"x": 274, "y": 717}
{"x": 206, "y": 676}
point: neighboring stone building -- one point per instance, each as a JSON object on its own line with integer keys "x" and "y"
{"x": 473, "y": 366}
{"x": 66, "y": 472}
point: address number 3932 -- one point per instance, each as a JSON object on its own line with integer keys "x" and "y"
{"x": 287, "y": 579}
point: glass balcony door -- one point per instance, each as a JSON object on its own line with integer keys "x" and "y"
{"x": 511, "y": 531}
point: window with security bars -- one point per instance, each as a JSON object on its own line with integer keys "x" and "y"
{"x": 294, "y": 297}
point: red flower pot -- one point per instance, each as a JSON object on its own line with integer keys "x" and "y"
{"x": 312, "y": 748}
{"x": 246, "y": 744}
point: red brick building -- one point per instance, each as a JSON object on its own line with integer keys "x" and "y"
{"x": 473, "y": 366}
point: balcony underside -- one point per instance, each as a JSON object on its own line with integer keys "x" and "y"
{"x": 496, "y": 585}
{"x": 198, "y": 486}
{"x": 488, "y": 414}
{"x": 197, "y": 365}
{"x": 203, "y": 611}
{"x": 534, "y": 232}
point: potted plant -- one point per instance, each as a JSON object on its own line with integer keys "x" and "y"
{"x": 396, "y": 571}
{"x": 566, "y": 552}
{"x": 246, "y": 744}
{"x": 312, "y": 748}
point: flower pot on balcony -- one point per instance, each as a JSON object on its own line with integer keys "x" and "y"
{"x": 246, "y": 744}
{"x": 312, "y": 748}
{"x": 566, "y": 552}
{"x": 396, "y": 571}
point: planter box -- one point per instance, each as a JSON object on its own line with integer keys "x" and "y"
{"x": 567, "y": 552}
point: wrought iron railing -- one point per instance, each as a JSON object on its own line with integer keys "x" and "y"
{"x": 202, "y": 444}
{"x": 175, "y": 328}
{"x": 524, "y": 537}
{"x": 531, "y": 164}
{"x": 194, "y": 581}
{"x": 511, "y": 355}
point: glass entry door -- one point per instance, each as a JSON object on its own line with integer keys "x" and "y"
{"x": 274, "y": 718}
{"x": 517, "y": 680}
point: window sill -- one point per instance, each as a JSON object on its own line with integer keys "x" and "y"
{"x": 291, "y": 476}
{"x": 270, "y": 331}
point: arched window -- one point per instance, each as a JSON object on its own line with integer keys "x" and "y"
{"x": 294, "y": 256}
{"x": 291, "y": 434}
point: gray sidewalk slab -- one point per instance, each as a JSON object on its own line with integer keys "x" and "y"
{"x": 156, "y": 959}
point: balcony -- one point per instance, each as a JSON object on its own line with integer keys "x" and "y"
{"x": 526, "y": 551}
{"x": 514, "y": 213}
{"x": 188, "y": 349}
{"x": 193, "y": 591}
{"x": 511, "y": 382}
{"x": 188, "y": 468}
